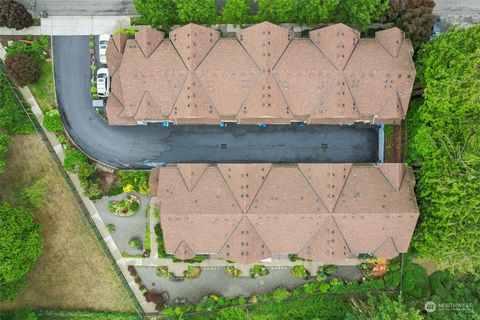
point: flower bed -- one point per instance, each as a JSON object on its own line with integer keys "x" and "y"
{"x": 126, "y": 207}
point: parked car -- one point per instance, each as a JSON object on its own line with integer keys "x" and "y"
{"x": 103, "y": 83}
{"x": 102, "y": 47}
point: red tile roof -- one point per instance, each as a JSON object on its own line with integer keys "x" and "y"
{"x": 263, "y": 76}
{"x": 250, "y": 212}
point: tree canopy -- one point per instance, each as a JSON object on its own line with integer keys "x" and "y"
{"x": 236, "y": 11}
{"x": 20, "y": 246}
{"x": 196, "y": 11}
{"x": 14, "y": 15}
{"x": 157, "y": 12}
{"x": 443, "y": 134}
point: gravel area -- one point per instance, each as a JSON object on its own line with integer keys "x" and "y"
{"x": 214, "y": 281}
{"x": 126, "y": 228}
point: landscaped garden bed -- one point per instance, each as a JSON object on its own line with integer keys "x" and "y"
{"x": 126, "y": 207}
{"x": 127, "y": 223}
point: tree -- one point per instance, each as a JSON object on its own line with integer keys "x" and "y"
{"x": 382, "y": 307}
{"x": 20, "y": 246}
{"x": 196, "y": 11}
{"x": 14, "y": 15}
{"x": 13, "y": 118}
{"x": 23, "y": 69}
{"x": 277, "y": 11}
{"x": 157, "y": 13}
{"x": 33, "y": 196}
{"x": 314, "y": 11}
{"x": 360, "y": 13}
{"x": 236, "y": 11}
{"x": 414, "y": 17}
{"x": 4, "y": 143}
{"x": 52, "y": 121}
{"x": 444, "y": 134}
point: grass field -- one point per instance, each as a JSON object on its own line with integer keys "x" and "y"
{"x": 44, "y": 90}
{"x": 72, "y": 271}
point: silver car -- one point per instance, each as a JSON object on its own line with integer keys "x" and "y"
{"x": 103, "y": 83}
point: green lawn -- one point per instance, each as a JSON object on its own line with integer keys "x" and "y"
{"x": 44, "y": 90}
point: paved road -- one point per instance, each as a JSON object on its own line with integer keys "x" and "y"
{"x": 152, "y": 145}
{"x": 81, "y": 7}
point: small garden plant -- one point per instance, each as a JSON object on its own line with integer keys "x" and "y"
{"x": 135, "y": 243}
{"x": 125, "y": 208}
{"x": 300, "y": 272}
{"x": 258, "y": 271}
{"x": 162, "y": 272}
{"x": 232, "y": 271}
{"x": 324, "y": 271}
{"x": 111, "y": 228}
{"x": 192, "y": 272}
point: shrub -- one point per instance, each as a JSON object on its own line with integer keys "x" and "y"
{"x": 157, "y": 12}
{"x": 129, "y": 32}
{"x": 14, "y": 15}
{"x": 329, "y": 269}
{"x": 196, "y": 11}
{"x": 300, "y": 272}
{"x": 415, "y": 282}
{"x": 159, "y": 237}
{"x": 192, "y": 272}
{"x": 258, "y": 271}
{"x": 111, "y": 228}
{"x": 137, "y": 179}
{"x": 280, "y": 294}
{"x": 13, "y": 114}
{"x": 162, "y": 272}
{"x": 33, "y": 196}
{"x": 4, "y": 143}
{"x": 132, "y": 271}
{"x": 135, "y": 243}
{"x": 52, "y": 121}
{"x": 236, "y": 11}
{"x": 21, "y": 245}
{"x": 35, "y": 50}
{"x": 23, "y": 69}
{"x": 91, "y": 44}
{"x": 323, "y": 287}
{"x": 126, "y": 207}
{"x": 232, "y": 271}
{"x": 156, "y": 299}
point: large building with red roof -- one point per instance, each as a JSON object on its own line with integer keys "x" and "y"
{"x": 264, "y": 75}
{"x": 246, "y": 213}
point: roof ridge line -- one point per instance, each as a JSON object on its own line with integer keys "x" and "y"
{"x": 179, "y": 91}
{"x": 259, "y": 188}
{"x": 183, "y": 178}
{"x": 314, "y": 191}
{"x": 343, "y": 187}
{"x": 145, "y": 92}
{"x": 401, "y": 183}
{"x": 231, "y": 191}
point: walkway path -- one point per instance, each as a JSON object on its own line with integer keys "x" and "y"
{"x": 77, "y": 25}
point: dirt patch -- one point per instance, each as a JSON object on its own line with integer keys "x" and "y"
{"x": 394, "y": 145}
{"x": 430, "y": 266}
{"x": 72, "y": 271}
{"x": 107, "y": 180}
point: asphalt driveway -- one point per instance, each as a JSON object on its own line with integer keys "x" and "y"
{"x": 144, "y": 147}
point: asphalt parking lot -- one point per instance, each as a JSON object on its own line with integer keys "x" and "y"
{"x": 144, "y": 147}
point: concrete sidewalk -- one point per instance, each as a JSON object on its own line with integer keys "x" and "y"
{"x": 73, "y": 25}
